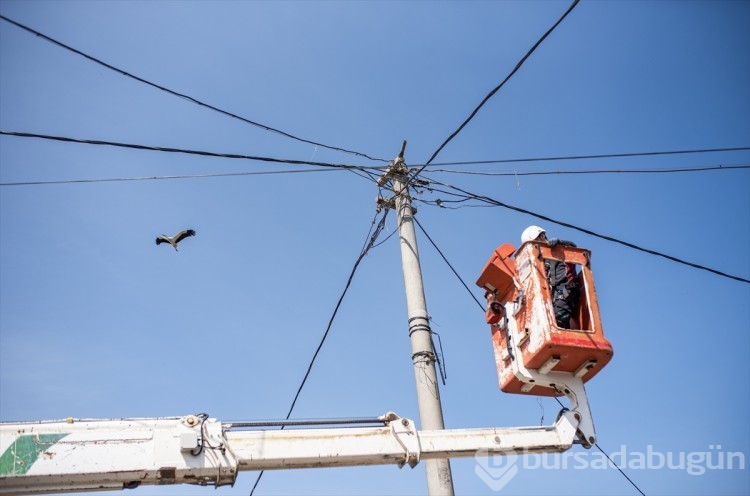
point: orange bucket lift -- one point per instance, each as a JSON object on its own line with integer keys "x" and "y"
{"x": 533, "y": 355}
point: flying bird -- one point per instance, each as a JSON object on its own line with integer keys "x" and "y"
{"x": 175, "y": 239}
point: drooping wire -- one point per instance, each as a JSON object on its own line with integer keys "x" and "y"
{"x": 439, "y": 355}
{"x": 495, "y": 90}
{"x": 204, "y": 442}
{"x": 384, "y": 239}
{"x": 181, "y": 95}
{"x": 372, "y": 236}
{"x": 492, "y": 201}
{"x": 541, "y": 409}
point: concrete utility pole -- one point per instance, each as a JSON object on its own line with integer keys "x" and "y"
{"x": 439, "y": 478}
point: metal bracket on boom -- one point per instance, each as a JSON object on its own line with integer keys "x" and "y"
{"x": 568, "y": 383}
{"x": 406, "y": 434}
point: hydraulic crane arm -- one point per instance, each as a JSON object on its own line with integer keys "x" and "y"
{"x": 72, "y": 455}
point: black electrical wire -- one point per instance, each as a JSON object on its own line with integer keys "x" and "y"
{"x": 604, "y": 453}
{"x": 603, "y": 171}
{"x": 153, "y": 178}
{"x": 181, "y": 95}
{"x": 447, "y": 262}
{"x": 620, "y": 470}
{"x": 586, "y": 157}
{"x": 371, "y": 172}
{"x": 371, "y": 176}
{"x": 362, "y": 254}
{"x": 495, "y": 90}
{"x": 179, "y": 150}
{"x": 372, "y": 236}
{"x": 592, "y": 233}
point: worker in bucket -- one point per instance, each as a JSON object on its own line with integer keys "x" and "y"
{"x": 562, "y": 279}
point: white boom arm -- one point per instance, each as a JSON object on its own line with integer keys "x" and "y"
{"x": 61, "y": 456}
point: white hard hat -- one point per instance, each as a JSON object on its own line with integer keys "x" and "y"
{"x": 531, "y": 233}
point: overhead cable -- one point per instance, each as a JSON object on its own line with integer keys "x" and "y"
{"x": 608, "y": 458}
{"x": 181, "y": 150}
{"x": 372, "y": 236}
{"x": 153, "y": 178}
{"x": 370, "y": 171}
{"x": 600, "y": 171}
{"x": 583, "y": 157}
{"x": 447, "y": 262}
{"x": 495, "y": 90}
{"x": 492, "y": 201}
{"x": 181, "y": 95}
{"x": 619, "y": 469}
{"x": 371, "y": 177}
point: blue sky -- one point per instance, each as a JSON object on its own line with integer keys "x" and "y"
{"x": 96, "y": 321}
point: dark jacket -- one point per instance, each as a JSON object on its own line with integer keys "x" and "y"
{"x": 559, "y": 272}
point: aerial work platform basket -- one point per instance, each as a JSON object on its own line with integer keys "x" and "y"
{"x": 518, "y": 281}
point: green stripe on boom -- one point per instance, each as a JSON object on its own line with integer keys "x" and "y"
{"x": 21, "y": 455}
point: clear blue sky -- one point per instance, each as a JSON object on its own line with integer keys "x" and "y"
{"x": 97, "y": 321}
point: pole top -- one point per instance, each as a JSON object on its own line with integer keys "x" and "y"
{"x": 397, "y": 165}
{"x": 401, "y": 153}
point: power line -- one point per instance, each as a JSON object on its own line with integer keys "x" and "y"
{"x": 181, "y": 150}
{"x": 370, "y": 171}
{"x": 447, "y": 262}
{"x": 608, "y": 458}
{"x": 583, "y": 157}
{"x": 495, "y": 90}
{"x": 181, "y": 95}
{"x": 492, "y": 201}
{"x": 370, "y": 176}
{"x": 600, "y": 171}
{"x": 371, "y": 237}
{"x": 619, "y": 469}
{"x": 152, "y": 178}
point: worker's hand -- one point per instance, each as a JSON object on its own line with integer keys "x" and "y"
{"x": 496, "y": 307}
{"x": 492, "y": 303}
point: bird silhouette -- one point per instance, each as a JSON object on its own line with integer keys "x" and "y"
{"x": 175, "y": 239}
